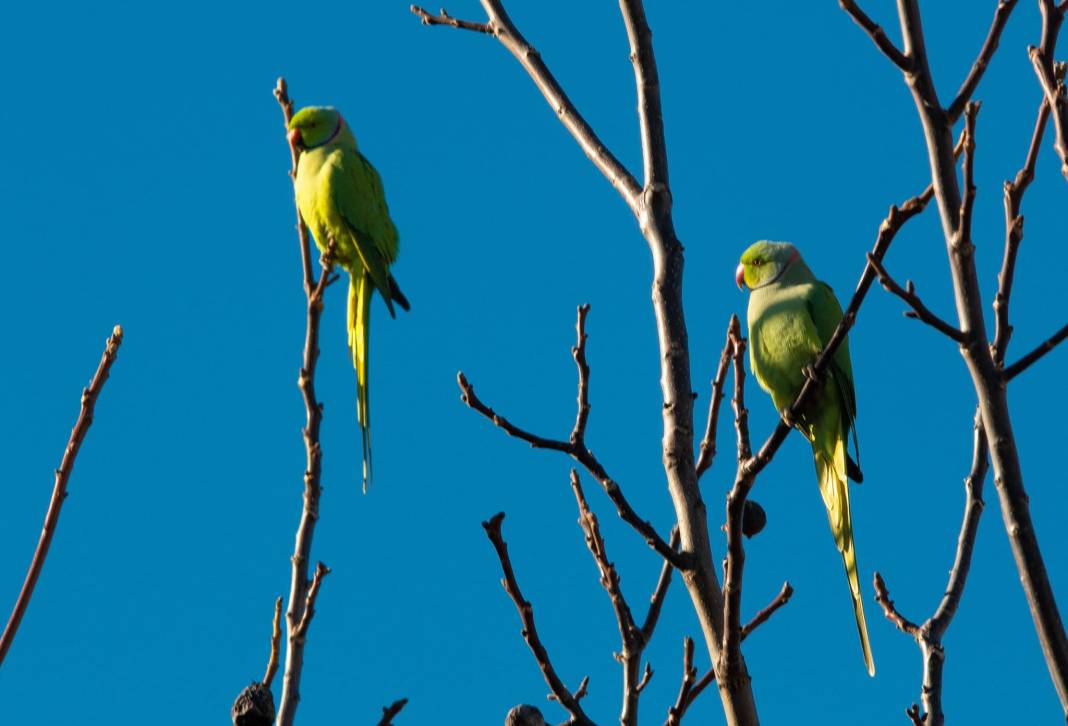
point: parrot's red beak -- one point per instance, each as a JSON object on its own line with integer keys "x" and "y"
{"x": 739, "y": 277}
{"x": 295, "y": 142}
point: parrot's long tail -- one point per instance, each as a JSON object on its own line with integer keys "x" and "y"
{"x": 359, "y": 324}
{"x": 835, "y": 490}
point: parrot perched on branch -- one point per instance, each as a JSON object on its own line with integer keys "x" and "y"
{"x": 792, "y": 316}
{"x": 340, "y": 197}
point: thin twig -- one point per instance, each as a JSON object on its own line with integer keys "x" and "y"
{"x": 59, "y": 488}
{"x": 882, "y": 596}
{"x": 708, "y": 443}
{"x": 530, "y": 631}
{"x": 388, "y": 712}
{"x": 500, "y": 26}
{"x": 578, "y": 352}
{"x": 1051, "y": 78}
{"x": 281, "y": 92}
{"x": 1044, "y": 347}
{"x": 443, "y": 18}
{"x": 967, "y": 205}
{"x": 990, "y": 45}
{"x": 689, "y": 675}
{"x": 877, "y": 34}
{"x": 730, "y": 659}
{"x": 929, "y": 635}
{"x": 761, "y": 617}
{"x": 300, "y": 590}
{"x": 919, "y": 310}
{"x": 576, "y": 448}
{"x": 276, "y": 644}
{"x": 321, "y": 571}
{"x": 656, "y": 602}
{"x": 1014, "y": 230}
{"x": 631, "y": 638}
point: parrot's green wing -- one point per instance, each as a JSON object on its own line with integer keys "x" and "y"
{"x": 830, "y": 423}
{"x": 361, "y": 201}
{"x": 826, "y": 313}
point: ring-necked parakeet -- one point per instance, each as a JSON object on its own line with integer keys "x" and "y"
{"x": 792, "y": 316}
{"x": 340, "y": 197}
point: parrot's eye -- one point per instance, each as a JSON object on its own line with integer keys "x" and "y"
{"x": 758, "y": 262}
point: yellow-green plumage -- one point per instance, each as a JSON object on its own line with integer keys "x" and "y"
{"x": 341, "y": 199}
{"x": 792, "y": 316}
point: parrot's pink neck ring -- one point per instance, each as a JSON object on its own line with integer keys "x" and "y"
{"x": 789, "y": 263}
{"x": 333, "y": 136}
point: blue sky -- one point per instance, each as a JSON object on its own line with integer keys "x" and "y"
{"x": 145, "y": 185}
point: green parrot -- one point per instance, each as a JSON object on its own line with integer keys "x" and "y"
{"x": 792, "y": 316}
{"x": 340, "y": 197}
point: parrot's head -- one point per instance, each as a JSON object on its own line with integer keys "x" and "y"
{"x": 764, "y": 263}
{"x": 314, "y": 126}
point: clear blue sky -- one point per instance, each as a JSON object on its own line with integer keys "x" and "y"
{"x": 146, "y": 185}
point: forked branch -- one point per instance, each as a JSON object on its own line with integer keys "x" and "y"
{"x": 576, "y": 448}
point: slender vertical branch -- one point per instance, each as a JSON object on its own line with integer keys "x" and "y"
{"x": 59, "y": 488}
{"x": 302, "y": 590}
{"x": 631, "y": 637}
{"x": 708, "y": 443}
{"x": 990, "y": 46}
{"x": 276, "y": 644}
{"x": 1050, "y": 77}
{"x": 281, "y": 92}
{"x": 1014, "y": 230}
{"x": 982, "y": 367}
{"x": 732, "y": 578}
{"x": 929, "y": 635}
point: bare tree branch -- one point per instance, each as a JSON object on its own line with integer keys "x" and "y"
{"x": 578, "y": 351}
{"x": 321, "y": 571}
{"x": 281, "y": 92}
{"x": 990, "y": 46}
{"x": 985, "y": 373}
{"x": 576, "y": 448}
{"x": 530, "y": 631}
{"x": 647, "y": 84}
{"x": 689, "y": 676}
{"x": 762, "y": 617}
{"x": 390, "y": 711}
{"x": 732, "y": 578}
{"x": 759, "y": 619}
{"x": 302, "y": 591}
{"x": 59, "y": 488}
{"x": 929, "y": 635}
{"x": 967, "y": 205}
{"x": 877, "y": 34}
{"x": 500, "y": 26}
{"x": 631, "y": 637}
{"x": 919, "y": 310}
{"x": 1044, "y": 347}
{"x": 882, "y": 596}
{"x": 276, "y": 644}
{"x": 656, "y": 602}
{"x": 1014, "y": 229}
{"x": 1050, "y": 77}
{"x": 708, "y": 443}
{"x": 443, "y": 18}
